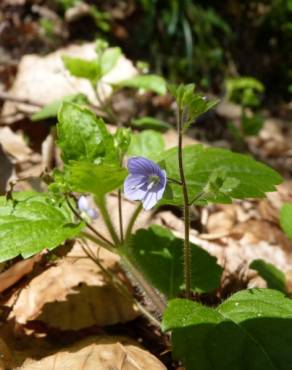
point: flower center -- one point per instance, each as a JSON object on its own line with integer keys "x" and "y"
{"x": 153, "y": 180}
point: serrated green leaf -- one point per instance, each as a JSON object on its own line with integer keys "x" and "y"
{"x": 146, "y": 144}
{"x": 153, "y": 83}
{"x": 150, "y": 123}
{"x": 158, "y": 254}
{"x": 51, "y": 110}
{"x": 109, "y": 59}
{"x": 32, "y": 223}
{"x": 254, "y": 178}
{"x": 274, "y": 277}
{"x": 82, "y": 136}
{"x": 254, "y": 326}
{"x": 286, "y": 219}
{"x": 87, "y": 177}
{"x": 89, "y": 69}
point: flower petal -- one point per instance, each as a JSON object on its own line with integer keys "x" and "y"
{"x": 83, "y": 203}
{"x": 135, "y": 187}
{"x": 150, "y": 200}
{"x": 143, "y": 166}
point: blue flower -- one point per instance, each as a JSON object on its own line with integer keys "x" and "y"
{"x": 84, "y": 207}
{"x": 145, "y": 182}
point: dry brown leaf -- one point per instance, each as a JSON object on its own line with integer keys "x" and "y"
{"x": 73, "y": 295}
{"x": 6, "y": 358}
{"x": 14, "y": 145}
{"x": 17, "y": 272}
{"x": 45, "y": 79}
{"x": 6, "y": 169}
{"x": 98, "y": 353}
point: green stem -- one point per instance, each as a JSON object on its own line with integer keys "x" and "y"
{"x": 122, "y": 289}
{"x": 120, "y": 216}
{"x": 197, "y": 197}
{"x": 187, "y": 249}
{"x": 107, "y": 220}
{"x": 138, "y": 278}
{"x": 97, "y": 233}
{"x": 97, "y": 241}
{"x": 132, "y": 220}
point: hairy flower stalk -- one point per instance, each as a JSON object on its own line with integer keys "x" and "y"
{"x": 187, "y": 249}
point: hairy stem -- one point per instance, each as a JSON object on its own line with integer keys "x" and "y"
{"x": 132, "y": 221}
{"x": 187, "y": 249}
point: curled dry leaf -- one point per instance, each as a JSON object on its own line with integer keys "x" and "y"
{"x": 17, "y": 272}
{"x": 104, "y": 353}
{"x": 14, "y": 145}
{"x": 74, "y": 294}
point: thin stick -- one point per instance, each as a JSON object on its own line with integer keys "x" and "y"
{"x": 187, "y": 249}
{"x": 16, "y": 99}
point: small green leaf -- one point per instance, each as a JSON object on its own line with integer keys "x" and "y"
{"x": 109, "y": 59}
{"x": 150, "y": 123}
{"x": 159, "y": 255}
{"x": 32, "y": 223}
{"x": 87, "y": 177}
{"x": 252, "y": 125}
{"x": 51, "y": 110}
{"x": 153, "y": 83}
{"x": 254, "y": 326}
{"x": 122, "y": 139}
{"x": 190, "y": 103}
{"x": 250, "y": 179}
{"x": 89, "y": 69}
{"x": 286, "y": 219}
{"x": 271, "y": 274}
{"x": 146, "y": 144}
{"x": 82, "y": 136}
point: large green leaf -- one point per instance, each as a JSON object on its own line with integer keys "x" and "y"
{"x": 252, "y": 330}
{"x": 239, "y": 176}
{"x": 153, "y": 83}
{"x": 146, "y": 144}
{"x": 32, "y": 223}
{"x": 96, "y": 179}
{"x": 158, "y": 254}
{"x": 274, "y": 277}
{"x": 286, "y": 219}
{"x": 82, "y": 136}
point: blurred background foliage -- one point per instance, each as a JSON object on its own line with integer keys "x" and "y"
{"x": 206, "y": 42}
